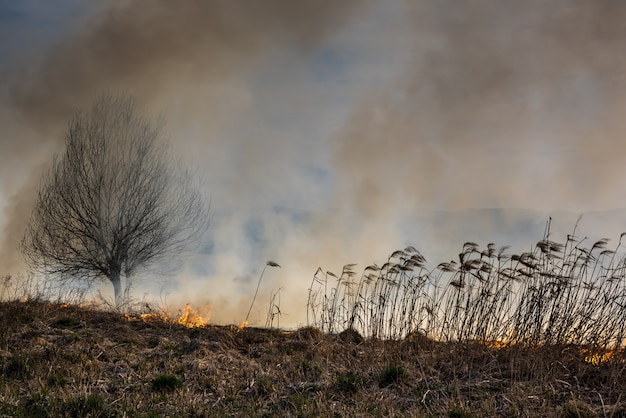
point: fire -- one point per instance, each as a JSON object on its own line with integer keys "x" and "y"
{"x": 498, "y": 344}
{"x": 154, "y": 316}
{"x": 242, "y": 326}
{"x": 191, "y": 318}
{"x": 591, "y": 356}
{"x": 597, "y": 357}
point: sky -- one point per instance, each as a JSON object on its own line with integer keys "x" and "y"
{"x": 327, "y": 132}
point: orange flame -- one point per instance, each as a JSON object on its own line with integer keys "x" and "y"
{"x": 243, "y": 325}
{"x": 596, "y": 357}
{"x": 191, "y": 318}
{"x": 154, "y": 316}
{"x": 498, "y": 344}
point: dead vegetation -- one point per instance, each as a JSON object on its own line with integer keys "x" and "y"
{"x": 535, "y": 334}
{"x": 65, "y": 360}
{"x": 557, "y": 294}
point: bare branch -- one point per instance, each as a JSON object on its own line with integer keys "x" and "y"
{"x": 115, "y": 201}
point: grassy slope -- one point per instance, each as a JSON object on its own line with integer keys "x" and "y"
{"x": 59, "y": 360}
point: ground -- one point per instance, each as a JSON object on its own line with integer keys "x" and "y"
{"x": 71, "y": 361}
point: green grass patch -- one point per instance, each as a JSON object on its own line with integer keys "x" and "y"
{"x": 392, "y": 374}
{"x": 166, "y": 383}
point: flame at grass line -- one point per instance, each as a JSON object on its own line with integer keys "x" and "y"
{"x": 596, "y": 357}
{"x": 189, "y": 316}
{"x": 590, "y": 355}
{"x": 498, "y": 344}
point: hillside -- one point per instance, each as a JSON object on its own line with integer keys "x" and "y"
{"x": 64, "y": 360}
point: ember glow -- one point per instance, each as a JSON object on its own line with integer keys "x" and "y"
{"x": 599, "y": 356}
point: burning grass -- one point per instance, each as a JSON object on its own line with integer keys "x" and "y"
{"x": 64, "y": 360}
{"x": 535, "y": 334}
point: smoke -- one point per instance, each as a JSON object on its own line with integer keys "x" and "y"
{"x": 499, "y": 105}
{"x": 156, "y": 53}
{"x": 503, "y": 104}
{"x": 151, "y": 49}
{"x": 336, "y": 132}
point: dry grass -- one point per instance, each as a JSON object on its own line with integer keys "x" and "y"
{"x": 535, "y": 334}
{"x": 63, "y": 360}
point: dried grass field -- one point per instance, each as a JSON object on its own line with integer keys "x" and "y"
{"x": 65, "y": 360}
{"x": 539, "y": 334}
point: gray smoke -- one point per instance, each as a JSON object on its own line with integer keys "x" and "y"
{"x": 336, "y": 132}
{"x": 150, "y": 52}
{"x": 503, "y": 104}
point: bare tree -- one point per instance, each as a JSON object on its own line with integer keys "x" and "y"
{"x": 115, "y": 201}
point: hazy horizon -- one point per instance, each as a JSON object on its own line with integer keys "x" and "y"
{"x": 329, "y": 132}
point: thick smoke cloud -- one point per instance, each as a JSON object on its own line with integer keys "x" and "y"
{"x": 332, "y": 132}
{"x": 504, "y": 104}
{"x": 149, "y": 52}
{"x": 500, "y": 105}
{"x": 150, "y": 48}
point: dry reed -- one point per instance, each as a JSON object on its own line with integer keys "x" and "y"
{"x": 556, "y": 294}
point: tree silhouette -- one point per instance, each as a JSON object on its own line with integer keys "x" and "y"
{"x": 114, "y": 202}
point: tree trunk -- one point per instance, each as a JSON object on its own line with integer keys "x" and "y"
{"x": 117, "y": 288}
{"x": 127, "y": 287}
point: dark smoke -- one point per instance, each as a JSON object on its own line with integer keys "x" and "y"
{"x": 503, "y": 104}
{"x": 450, "y": 105}
{"x": 146, "y": 50}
